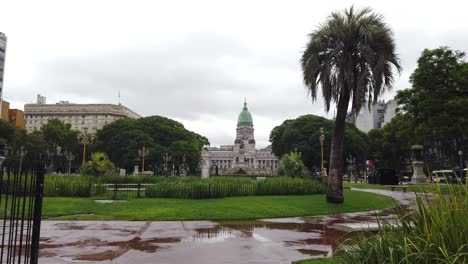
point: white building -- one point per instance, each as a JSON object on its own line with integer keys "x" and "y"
{"x": 242, "y": 157}
{"x": 3, "y": 44}
{"x": 377, "y": 116}
{"x": 83, "y": 117}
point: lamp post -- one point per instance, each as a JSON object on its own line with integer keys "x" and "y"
{"x": 351, "y": 161}
{"x": 143, "y": 152}
{"x": 166, "y": 159}
{"x": 22, "y": 152}
{"x": 85, "y": 139}
{"x": 323, "y": 172}
{"x": 70, "y": 157}
{"x": 460, "y": 153}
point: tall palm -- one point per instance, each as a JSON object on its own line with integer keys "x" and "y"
{"x": 350, "y": 57}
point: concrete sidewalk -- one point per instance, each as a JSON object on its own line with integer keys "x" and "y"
{"x": 254, "y": 241}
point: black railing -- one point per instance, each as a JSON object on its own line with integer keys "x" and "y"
{"x": 20, "y": 211}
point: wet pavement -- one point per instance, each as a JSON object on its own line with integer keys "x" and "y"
{"x": 248, "y": 241}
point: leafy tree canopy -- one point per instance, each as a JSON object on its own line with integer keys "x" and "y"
{"x": 437, "y": 102}
{"x": 303, "y": 133}
{"x": 122, "y": 140}
{"x": 56, "y": 133}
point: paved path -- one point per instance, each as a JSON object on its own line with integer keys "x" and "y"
{"x": 257, "y": 241}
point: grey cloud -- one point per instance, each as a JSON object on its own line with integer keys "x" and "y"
{"x": 182, "y": 79}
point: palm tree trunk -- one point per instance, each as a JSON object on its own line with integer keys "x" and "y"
{"x": 335, "y": 178}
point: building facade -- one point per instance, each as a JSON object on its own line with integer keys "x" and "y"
{"x": 3, "y": 44}
{"x": 83, "y": 117}
{"x": 242, "y": 157}
{"x": 379, "y": 114}
{"x": 13, "y": 116}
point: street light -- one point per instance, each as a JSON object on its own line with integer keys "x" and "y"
{"x": 85, "y": 139}
{"x": 351, "y": 161}
{"x": 166, "y": 159}
{"x": 70, "y": 157}
{"x": 460, "y": 153}
{"x": 22, "y": 152}
{"x": 184, "y": 166}
{"x": 143, "y": 152}
{"x": 323, "y": 172}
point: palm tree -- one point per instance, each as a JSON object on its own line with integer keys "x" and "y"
{"x": 350, "y": 56}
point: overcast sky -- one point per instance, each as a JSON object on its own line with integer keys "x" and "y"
{"x": 196, "y": 61}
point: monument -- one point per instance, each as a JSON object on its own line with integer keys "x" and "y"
{"x": 418, "y": 166}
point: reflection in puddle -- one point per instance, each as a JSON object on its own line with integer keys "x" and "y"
{"x": 313, "y": 239}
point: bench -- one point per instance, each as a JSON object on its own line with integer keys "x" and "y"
{"x": 393, "y": 187}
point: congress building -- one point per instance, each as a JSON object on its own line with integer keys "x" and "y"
{"x": 242, "y": 158}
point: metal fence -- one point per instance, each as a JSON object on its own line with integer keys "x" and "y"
{"x": 20, "y": 213}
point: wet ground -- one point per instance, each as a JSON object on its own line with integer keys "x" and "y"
{"x": 254, "y": 241}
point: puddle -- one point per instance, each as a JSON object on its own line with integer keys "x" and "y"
{"x": 70, "y": 226}
{"x": 312, "y": 239}
{"x": 110, "y": 201}
{"x": 238, "y": 241}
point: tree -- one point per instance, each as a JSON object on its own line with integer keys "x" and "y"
{"x": 437, "y": 103}
{"x": 291, "y": 165}
{"x": 350, "y": 57}
{"x": 302, "y": 135}
{"x": 389, "y": 147}
{"x": 122, "y": 140}
{"x": 60, "y": 139}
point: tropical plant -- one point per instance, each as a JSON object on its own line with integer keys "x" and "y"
{"x": 291, "y": 165}
{"x": 350, "y": 57}
{"x": 98, "y": 166}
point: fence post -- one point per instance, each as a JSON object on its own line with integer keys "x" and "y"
{"x": 115, "y": 191}
{"x": 36, "y": 229}
{"x": 138, "y": 190}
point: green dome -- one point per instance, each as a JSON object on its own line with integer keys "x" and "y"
{"x": 245, "y": 118}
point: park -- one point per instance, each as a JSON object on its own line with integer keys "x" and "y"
{"x": 356, "y": 179}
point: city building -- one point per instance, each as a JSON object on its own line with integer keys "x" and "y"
{"x": 242, "y": 157}
{"x": 3, "y": 44}
{"x": 13, "y": 116}
{"x": 83, "y": 117}
{"x": 379, "y": 114}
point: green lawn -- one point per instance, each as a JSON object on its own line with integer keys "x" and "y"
{"x": 251, "y": 207}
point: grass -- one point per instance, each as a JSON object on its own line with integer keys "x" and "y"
{"x": 436, "y": 232}
{"x": 250, "y": 207}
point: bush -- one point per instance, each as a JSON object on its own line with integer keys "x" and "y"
{"x": 291, "y": 165}
{"x": 68, "y": 186}
{"x": 434, "y": 233}
{"x": 231, "y": 187}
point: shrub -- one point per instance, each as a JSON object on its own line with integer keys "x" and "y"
{"x": 68, "y": 186}
{"x": 434, "y": 233}
{"x": 291, "y": 165}
{"x": 230, "y": 187}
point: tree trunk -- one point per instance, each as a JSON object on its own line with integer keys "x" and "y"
{"x": 335, "y": 178}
